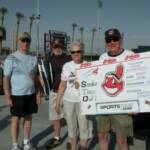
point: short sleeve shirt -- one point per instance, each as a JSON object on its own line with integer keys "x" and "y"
{"x": 69, "y": 74}
{"x": 21, "y": 69}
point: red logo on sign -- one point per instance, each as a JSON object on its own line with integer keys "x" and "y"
{"x": 113, "y": 83}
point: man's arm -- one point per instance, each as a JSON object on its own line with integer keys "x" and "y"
{"x": 38, "y": 88}
{"x": 61, "y": 90}
{"x": 6, "y": 87}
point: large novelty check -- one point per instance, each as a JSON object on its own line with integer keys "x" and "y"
{"x": 115, "y": 87}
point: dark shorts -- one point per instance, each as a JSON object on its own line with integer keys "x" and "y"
{"x": 23, "y": 105}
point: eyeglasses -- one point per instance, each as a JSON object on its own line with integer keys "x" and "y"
{"x": 76, "y": 52}
{"x": 114, "y": 39}
{"x": 25, "y": 40}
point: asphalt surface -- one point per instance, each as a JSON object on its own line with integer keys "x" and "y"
{"x": 42, "y": 131}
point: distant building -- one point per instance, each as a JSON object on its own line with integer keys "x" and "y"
{"x": 53, "y": 34}
{"x": 141, "y": 48}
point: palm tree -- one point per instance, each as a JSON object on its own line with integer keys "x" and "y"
{"x": 81, "y": 33}
{"x": 19, "y": 17}
{"x": 74, "y": 25}
{"x": 92, "y": 41}
{"x": 31, "y": 19}
{"x": 3, "y": 11}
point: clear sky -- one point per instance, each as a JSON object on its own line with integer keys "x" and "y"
{"x": 132, "y": 17}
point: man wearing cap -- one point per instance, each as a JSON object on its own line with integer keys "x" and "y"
{"x": 57, "y": 60}
{"x": 121, "y": 124}
{"x": 20, "y": 85}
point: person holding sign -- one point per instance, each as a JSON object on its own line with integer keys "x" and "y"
{"x": 121, "y": 124}
{"x": 68, "y": 90}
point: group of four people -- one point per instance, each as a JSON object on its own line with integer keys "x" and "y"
{"x": 22, "y": 91}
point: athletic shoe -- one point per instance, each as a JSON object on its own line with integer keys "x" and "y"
{"x": 16, "y": 147}
{"x": 28, "y": 146}
{"x": 53, "y": 143}
{"x": 68, "y": 146}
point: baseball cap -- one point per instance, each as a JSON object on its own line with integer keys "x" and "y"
{"x": 57, "y": 43}
{"x": 112, "y": 33}
{"x": 24, "y": 35}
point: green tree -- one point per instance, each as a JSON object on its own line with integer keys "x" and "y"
{"x": 3, "y": 11}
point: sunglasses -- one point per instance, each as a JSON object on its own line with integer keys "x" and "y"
{"x": 76, "y": 52}
{"x": 110, "y": 39}
{"x": 26, "y": 40}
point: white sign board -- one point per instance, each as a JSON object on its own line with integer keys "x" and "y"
{"x": 115, "y": 87}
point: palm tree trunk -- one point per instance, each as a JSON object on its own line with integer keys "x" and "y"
{"x": 92, "y": 42}
{"x": 30, "y": 27}
{"x": 17, "y": 32}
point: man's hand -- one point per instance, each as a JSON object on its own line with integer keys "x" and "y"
{"x": 76, "y": 84}
{"x": 58, "y": 107}
{"x": 9, "y": 102}
{"x": 38, "y": 98}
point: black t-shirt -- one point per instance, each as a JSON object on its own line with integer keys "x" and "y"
{"x": 57, "y": 63}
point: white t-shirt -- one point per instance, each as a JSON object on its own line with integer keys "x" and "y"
{"x": 107, "y": 58}
{"x": 69, "y": 74}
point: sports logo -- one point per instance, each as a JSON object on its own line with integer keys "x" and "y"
{"x": 113, "y": 83}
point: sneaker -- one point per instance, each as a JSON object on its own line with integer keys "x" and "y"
{"x": 28, "y": 146}
{"x": 16, "y": 147}
{"x": 53, "y": 143}
{"x": 68, "y": 145}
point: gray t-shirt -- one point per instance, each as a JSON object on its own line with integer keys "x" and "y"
{"x": 21, "y": 69}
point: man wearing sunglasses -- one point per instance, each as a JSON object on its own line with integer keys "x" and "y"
{"x": 120, "y": 124}
{"x": 20, "y": 78}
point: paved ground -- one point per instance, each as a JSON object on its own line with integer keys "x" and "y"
{"x": 42, "y": 130}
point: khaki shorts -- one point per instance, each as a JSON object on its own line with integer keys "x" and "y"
{"x": 52, "y": 103}
{"x": 122, "y": 125}
{"x": 76, "y": 122}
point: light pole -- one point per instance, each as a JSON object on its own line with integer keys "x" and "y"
{"x": 31, "y": 19}
{"x": 98, "y": 15}
{"x": 38, "y": 23}
{"x": 98, "y": 20}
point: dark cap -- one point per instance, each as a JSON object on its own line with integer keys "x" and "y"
{"x": 112, "y": 33}
{"x": 57, "y": 43}
{"x": 24, "y": 35}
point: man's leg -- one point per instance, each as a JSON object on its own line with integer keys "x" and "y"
{"x": 103, "y": 127}
{"x": 27, "y": 126}
{"x": 103, "y": 140}
{"x": 122, "y": 143}
{"x": 15, "y": 129}
{"x": 122, "y": 125}
{"x": 27, "y": 130}
{"x": 73, "y": 142}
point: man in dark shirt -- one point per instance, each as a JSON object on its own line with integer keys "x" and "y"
{"x": 57, "y": 60}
